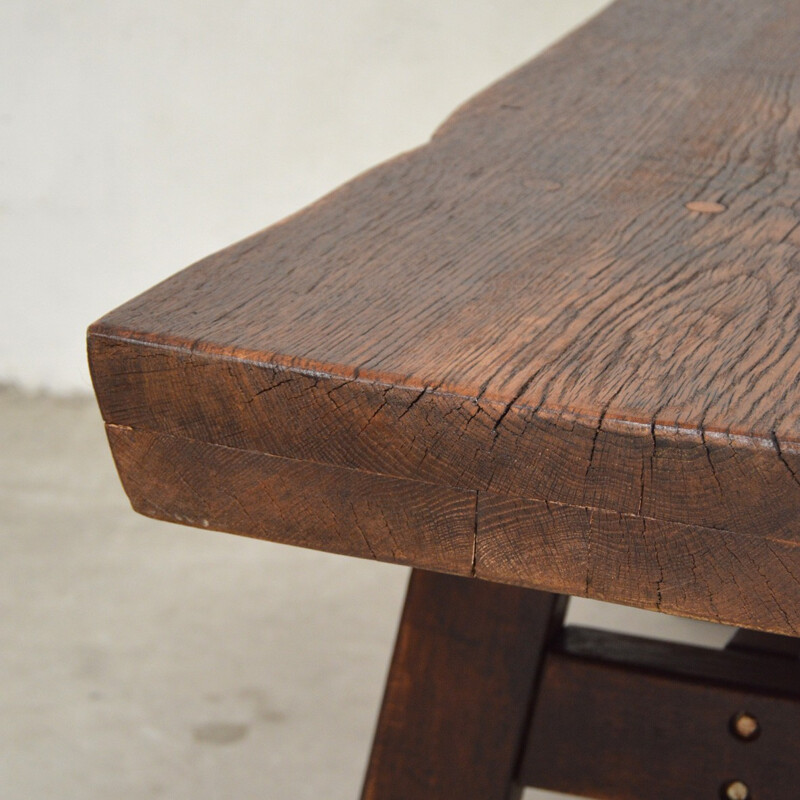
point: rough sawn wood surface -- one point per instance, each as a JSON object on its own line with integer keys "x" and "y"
{"x": 574, "y": 314}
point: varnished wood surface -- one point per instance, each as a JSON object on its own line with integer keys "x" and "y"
{"x": 582, "y": 291}
{"x": 457, "y": 703}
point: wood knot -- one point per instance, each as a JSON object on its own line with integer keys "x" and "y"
{"x": 706, "y": 207}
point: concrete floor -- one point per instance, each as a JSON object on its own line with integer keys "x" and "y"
{"x": 140, "y": 659}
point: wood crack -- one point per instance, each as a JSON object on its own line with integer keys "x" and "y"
{"x": 474, "y": 565}
{"x": 783, "y": 458}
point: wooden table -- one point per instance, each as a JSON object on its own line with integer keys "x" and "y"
{"x": 554, "y": 349}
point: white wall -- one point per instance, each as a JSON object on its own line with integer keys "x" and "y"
{"x": 137, "y": 137}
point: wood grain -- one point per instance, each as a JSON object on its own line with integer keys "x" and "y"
{"x": 540, "y": 304}
{"x": 295, "y": 502}
{"x": 679, "y": 569}
{"x": 458, "y": 696}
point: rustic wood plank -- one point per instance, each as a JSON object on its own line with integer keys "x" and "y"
{"x": 584, "y": 290}
{"x": 613, "y": 720}
{"x": 458, "y": 696}
{"x": 669, "y": 474}
{"x": 679, "y": 569}
{"x": 295, "y": 502}
{"x": 703, "y": 573}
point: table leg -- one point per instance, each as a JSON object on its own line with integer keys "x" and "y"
{"x": 460, "y": 688}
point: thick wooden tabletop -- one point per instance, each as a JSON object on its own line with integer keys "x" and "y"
{"x": 556, "y": 346}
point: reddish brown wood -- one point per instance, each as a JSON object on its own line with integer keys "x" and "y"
{"x": 663, "y": 566}
{"x": 583, "y": 291}
{"x": 679, "y": 569}
{"x": 624, "y": 719}
{"x": 459, "y": 690}
{"x": 295, "y": 502}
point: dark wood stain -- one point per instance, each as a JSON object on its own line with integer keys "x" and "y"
{"x": 614, "y": 721}
{"x": 679, "y": 569}
{"x": 581, "y": 297}
{"x": 295, "y": 502}
{"x": 459, "y": 690}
